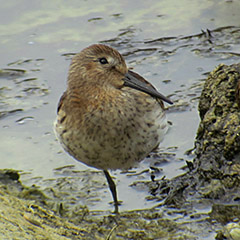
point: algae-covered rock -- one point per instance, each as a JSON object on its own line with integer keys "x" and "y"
{"x": 218, "y": 136}
{"x": 213, "y": 179}
{"x": 217, "y": 160}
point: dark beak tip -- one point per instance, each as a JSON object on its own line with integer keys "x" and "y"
{"x": 170, "y": 102}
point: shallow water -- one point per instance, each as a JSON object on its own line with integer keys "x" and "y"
{"x": 165, "y": 41}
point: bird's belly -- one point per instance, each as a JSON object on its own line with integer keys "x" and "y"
{"x": 115, "y": 144}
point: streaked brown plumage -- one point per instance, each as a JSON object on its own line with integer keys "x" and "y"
{"x": 109, "y": 117}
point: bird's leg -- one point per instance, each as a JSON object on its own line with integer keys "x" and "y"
{"x": 112, "y": 187}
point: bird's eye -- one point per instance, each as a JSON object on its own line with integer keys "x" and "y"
{"x": 103, "y": 60}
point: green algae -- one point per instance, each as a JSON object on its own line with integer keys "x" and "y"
{"x": 218, "y": 108}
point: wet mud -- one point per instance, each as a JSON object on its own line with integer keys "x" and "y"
{"x": 27, "y": 213}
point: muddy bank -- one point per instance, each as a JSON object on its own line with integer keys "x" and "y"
{"x": 26, "y": 214}
{"x": 211, "y": 181}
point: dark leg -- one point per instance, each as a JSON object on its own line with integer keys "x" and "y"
{"x": 112, "y": 187}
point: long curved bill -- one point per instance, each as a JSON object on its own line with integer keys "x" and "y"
{"x": 137, "y": 82}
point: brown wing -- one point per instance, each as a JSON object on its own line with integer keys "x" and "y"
{"x": 60, "y": 103}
